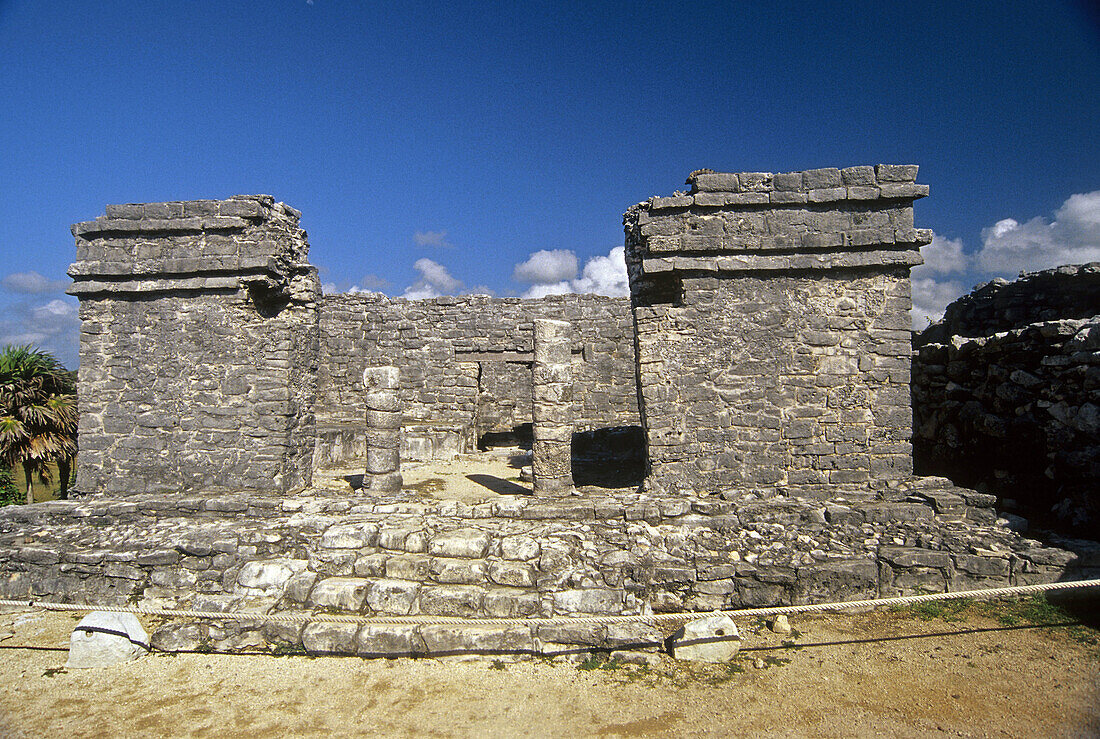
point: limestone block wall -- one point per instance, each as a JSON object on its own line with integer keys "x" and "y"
{"x": 772, "y": 322}
{"x": 519, "y": 557}
{"x": 1015, "y": 409}
{"x": 466, "y": 365}
{"x": 199, "y": 340}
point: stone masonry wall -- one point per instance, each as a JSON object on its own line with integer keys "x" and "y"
{"x": 772, "y": 322}
{"x": 466, "y": 365}
{"x": 621, "y": 553}
{"x": 1016, "y": 411}
{"x": 198, "y": 348}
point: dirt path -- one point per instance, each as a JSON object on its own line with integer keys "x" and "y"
{"x": 880, "y": 673}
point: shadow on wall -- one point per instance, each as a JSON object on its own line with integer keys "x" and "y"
{"x": 612, "y": 457}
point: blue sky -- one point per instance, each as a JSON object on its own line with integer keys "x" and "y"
{"x": 435, "y": 147}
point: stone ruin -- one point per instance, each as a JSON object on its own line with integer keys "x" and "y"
{"x": 1006, "y": 391}
{"x": 199, "y": 335}
{"x": 764, "y": 353}
{"x": 772, "y": 318}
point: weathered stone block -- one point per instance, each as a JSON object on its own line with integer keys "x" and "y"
{"x": 594, "y": 600}
{"x": 330, "y": 638}
{"x": 457, "y": 640}
{"x": 345, "y": 593}
{"x": 452, "y": 600}
{"x": 398, "y": 597}
{"x": 386, "y": 640}
{"x": 710, "y": 639}
{"x": 470, "y": 543}
{"x": 350, "y": 536}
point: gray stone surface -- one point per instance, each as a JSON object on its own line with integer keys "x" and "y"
{"x": 102, "y": 639}
{"x": 383, "y": 429}
{"x": 330, "y": 638}
{"x": 771, "y": 326}
{"x": 762, "y": 548}
{"x": 465, "y": 367}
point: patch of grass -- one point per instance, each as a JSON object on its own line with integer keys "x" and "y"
{"x": 597, "y": 661}
{"x": 498, "y": 665}
{"x": 944, "y": 610}
{"x": 773, "y": 661}
{"x": 9, "y": 491}
{"x": 592, "y": 662}
{"x": 51, "y": 671}
{"x": 722, "y": 674}
{"x": 286, "y": 649}
{"x": 1034, "y": 610}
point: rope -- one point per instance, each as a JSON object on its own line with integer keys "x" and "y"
{"x": 655, "y": 618}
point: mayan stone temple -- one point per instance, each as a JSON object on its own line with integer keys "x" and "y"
{"x": 772, "y": 319}
{"x": 735, "y": 433}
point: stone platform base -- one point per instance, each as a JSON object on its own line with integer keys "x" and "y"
{"x": 606, "y": 553}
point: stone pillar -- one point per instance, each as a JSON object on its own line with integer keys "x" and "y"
{"x": 383, "y": 473}
{"x": 552, "y": 408}
{"x": 772, "y": 327}
{"x": 198, "y": 348}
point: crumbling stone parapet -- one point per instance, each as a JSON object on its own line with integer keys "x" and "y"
{"x": 383, "y": 473}
{"x": 552, "y": 408}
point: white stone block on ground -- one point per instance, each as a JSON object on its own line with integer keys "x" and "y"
{"x": 102, "y": 639}
{"x": 710, "y": 639}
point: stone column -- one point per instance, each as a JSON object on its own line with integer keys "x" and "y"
{"x": 383, "y": 473}
{"x": 552, "y": 408}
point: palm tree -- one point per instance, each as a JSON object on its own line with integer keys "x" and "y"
{"x": 38, "y": 417}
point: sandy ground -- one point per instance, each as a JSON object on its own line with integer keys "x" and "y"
{"x": 470, "y": 478}
{"x": 872, "y": 674}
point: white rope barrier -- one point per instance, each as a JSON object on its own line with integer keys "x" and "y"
{"x": 654, "y": 618}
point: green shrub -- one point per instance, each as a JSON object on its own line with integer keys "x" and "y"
{"x": 10, "y": 494}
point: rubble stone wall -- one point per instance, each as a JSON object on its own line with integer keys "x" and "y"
{"x": 624, "y": 553}
{"x": 1012, "y": 405}
{"x": 198, "y": 346}
{"x": 466, "y": 365}
{"x": 1070, "y": 291}
{"x": 772, "y": 322}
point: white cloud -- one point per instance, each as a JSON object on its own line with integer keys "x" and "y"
{"x": 605, "y": 275}
{"x": 942, "y": 257}
{"x": 931, "y": 297}
{"x": 931, "y": 294}
{"x": 547, "y": 266}
{"x": 554, "y": 273}
{"x": 369, "y": 284}
{"x": 1073, "y": 237}
{"x": 53, "y": 326}
{"x": 552, "y": 288}
{"x": 434, "y": 281}
{"x": 431, "y": 238}
{"x": 32, "y": 283}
